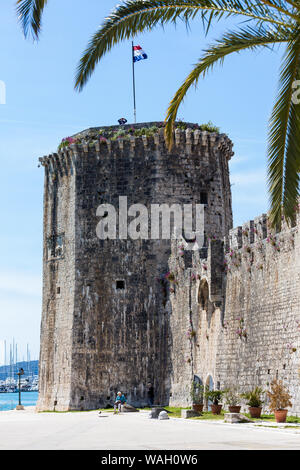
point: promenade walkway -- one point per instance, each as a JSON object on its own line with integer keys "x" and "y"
{"x": 86, "y": 430}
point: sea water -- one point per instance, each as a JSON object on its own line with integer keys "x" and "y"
{"x": 9, "y": 401}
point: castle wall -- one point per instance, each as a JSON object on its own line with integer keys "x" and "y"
{"x": 252, "y": 335}
{"x": 58, "y": 285}
{"x": 260, "y": 340}
{"x": 97, "y": 339}
{"x": 196, "y": 320}
{"x": 120, "y": 335}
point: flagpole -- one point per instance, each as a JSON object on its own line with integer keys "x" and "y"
{"x": 133, "y": 83}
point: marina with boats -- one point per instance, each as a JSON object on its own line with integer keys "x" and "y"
{"x": 9, "y": 384}
{"x": 28, "y": 384}
{"x": 9, "y": 380}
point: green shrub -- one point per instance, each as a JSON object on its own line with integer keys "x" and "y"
{"x": 115, "y": 133}
{"x": 209, "y": 127}
{"x": 254, "y": 397}
{"x": 214, "y": 395}
{"x": 196, "y": 393}
{"x": 232, "y": 396}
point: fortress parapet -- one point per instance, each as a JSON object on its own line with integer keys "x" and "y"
{"x": 256, "y": 230}
{"x": 255, "y": 246}
{"x": 196, "y": 142}
{"x": 250, "y": 232}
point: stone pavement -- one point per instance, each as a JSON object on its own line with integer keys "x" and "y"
{"x": 133, "y": 431}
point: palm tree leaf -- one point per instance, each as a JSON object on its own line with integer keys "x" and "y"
{"x": 295, "y": 4}
{"x": 136, "y": 16}
{"x": 284, "y": 140}
{"x": 283, "y": 7}
{"x": 292, "y": 166}
{"x": 246, "y": 38}
{"x": 30, "y": 14}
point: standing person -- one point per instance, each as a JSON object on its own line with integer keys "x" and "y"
{"x": 150, "y": 394}
{"x": 119, "y": 401}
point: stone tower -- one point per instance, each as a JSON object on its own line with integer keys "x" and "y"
{"x": 106, "y": 307}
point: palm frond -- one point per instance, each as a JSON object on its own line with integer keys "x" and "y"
{"x": 136, "y": 16}
{"x": 295, "y": 4}
{"x": 283, "y": 7}
{"x": 292, "y": 166}
{"x": 246, "y": 38}
{"x": 284, "y": 141}
{"x": 30, "y": 14}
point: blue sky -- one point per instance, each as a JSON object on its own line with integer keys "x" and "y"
{"x": 42, "y": 108}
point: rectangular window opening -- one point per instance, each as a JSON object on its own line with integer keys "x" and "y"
{"x": 203, "y": 198}
{"x": 120, "y": 285}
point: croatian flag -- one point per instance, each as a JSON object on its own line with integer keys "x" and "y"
{"x": 138, "y": 54}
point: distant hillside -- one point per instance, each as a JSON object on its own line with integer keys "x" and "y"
{"x": 30, "y": 368}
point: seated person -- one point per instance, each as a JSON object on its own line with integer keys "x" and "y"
{"x": 119, "y": 401}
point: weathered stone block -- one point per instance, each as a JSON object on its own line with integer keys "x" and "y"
{"x": 163, "y": 415}
{"x": 155, "y": 412}
{"x": 233, "y": 418}
{"x": 128, "y": 409}
{"x": 236, "y": 238}
{"x": 189, "y": 414}
{"x": 20, "y": 408}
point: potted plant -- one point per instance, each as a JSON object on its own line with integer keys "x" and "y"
{"x": 232, "y": 399}
{"x": 215, "y": 396}
{"x": 197, "y": 397}
{"x": 254, "y": 402}
{"x": 280, "y": 399}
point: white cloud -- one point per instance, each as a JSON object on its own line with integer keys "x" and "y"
{"x": 259, "y": 200}
{"x": 20, "y": 283}
{"x": 249, "y": 177}
{"x": 20, "y": 311}
{"x": 20, "y": 318}
{"x": 249, "y": 141}
{"x": 1, "y": 352}
{"x": 238, "y": 159}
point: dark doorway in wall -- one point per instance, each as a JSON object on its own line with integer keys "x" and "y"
{"x": 203, "y": 294}
{"x": 205, "y": 304}
{"x": 209, "y": 385}
{"x": 198, "y": 380}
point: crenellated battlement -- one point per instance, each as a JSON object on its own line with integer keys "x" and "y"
{"x": 250, "y": 232}
{"x": 195, "y": 141}
{"x": 254, "y": 231}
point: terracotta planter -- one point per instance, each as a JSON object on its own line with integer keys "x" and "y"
{"x": 255, "y": 412}
{"x": 280, "y": 416}
{"x": 216, "y": 409}
{"x": 197, "y": 408}
{"x": 234, "y": 409}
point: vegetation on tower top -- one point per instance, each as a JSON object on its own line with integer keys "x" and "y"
{"x": 114, "y": 133}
